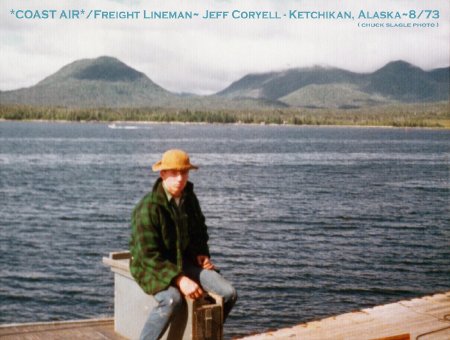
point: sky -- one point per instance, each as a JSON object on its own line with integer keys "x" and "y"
{"x": 204, "y": 56}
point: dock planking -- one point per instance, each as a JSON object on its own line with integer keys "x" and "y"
{"x": 426, "y": 318}
{"x": 92, "y": 329}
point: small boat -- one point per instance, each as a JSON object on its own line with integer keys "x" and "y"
{"x": 127, "y": 127}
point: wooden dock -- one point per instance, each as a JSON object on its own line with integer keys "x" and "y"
{"x": 93, "y": 329}
{"x": 426, "y": 318}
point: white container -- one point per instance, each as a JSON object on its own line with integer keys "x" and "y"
{"x": 200, "y": 319}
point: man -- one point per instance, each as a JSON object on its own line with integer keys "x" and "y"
{"x": 169, "y": 249}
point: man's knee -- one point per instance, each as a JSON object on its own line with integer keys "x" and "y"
{"x": 171, "y": 298}
{"x": 177, "y": 298}
{"x": 230, "y": 294}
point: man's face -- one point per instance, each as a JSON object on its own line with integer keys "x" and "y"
{"x": 175, "y": 181}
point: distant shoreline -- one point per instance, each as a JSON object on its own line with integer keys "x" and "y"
{"x": 128, "y": 123}
{"x": 424, "y": 115}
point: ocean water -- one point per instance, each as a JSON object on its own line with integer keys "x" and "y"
{"x": 307, "y": 222}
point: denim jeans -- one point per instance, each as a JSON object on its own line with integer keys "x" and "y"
{"x": 170, "y": 300}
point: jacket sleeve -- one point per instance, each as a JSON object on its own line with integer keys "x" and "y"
{"x": 148, "y": 266}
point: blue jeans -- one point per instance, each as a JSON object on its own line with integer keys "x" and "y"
{"x": 171, "y": 300}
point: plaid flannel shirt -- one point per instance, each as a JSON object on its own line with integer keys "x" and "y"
{"x": 162, "y": 234}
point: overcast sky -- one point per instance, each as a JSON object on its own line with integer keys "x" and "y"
{"x": 205, "y": 56}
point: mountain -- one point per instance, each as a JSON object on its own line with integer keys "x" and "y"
{"x": 275, "y": 85}
{"x": 108, "y": 82}
{"x": 101, "y": 82}
{"x": 335, "y": 95}
{"x": 405, "y": 82}
{"x": 397, "y": 81}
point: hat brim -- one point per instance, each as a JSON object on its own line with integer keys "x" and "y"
{"x": 158, "y": 166}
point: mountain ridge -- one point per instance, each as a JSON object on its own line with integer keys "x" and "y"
{"x": 108, "y": 82}
{"x": 396, "y": 81}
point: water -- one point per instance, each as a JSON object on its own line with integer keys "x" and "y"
{"x": 307, "y": 222}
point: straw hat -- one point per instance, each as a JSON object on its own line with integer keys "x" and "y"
{"x": 174, "y": 160}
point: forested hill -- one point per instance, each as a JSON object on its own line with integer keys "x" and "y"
{"x": 332, "y": 87}
{"x": 109, "y": 83}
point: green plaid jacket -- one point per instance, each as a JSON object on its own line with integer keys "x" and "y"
{"x": 162, "y": 234}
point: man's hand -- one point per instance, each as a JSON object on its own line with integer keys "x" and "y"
{"x": 188, "y": 287}
{"x": 205, "y": 262}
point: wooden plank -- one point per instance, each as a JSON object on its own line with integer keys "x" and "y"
{"x": 424, "y": 319}
{"x": 93, "y": 329}
{"x": 120, "y": 255}
{"x": 396, "y": 337}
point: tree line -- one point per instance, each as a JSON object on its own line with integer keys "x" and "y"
{"x": 436, "y": 115}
